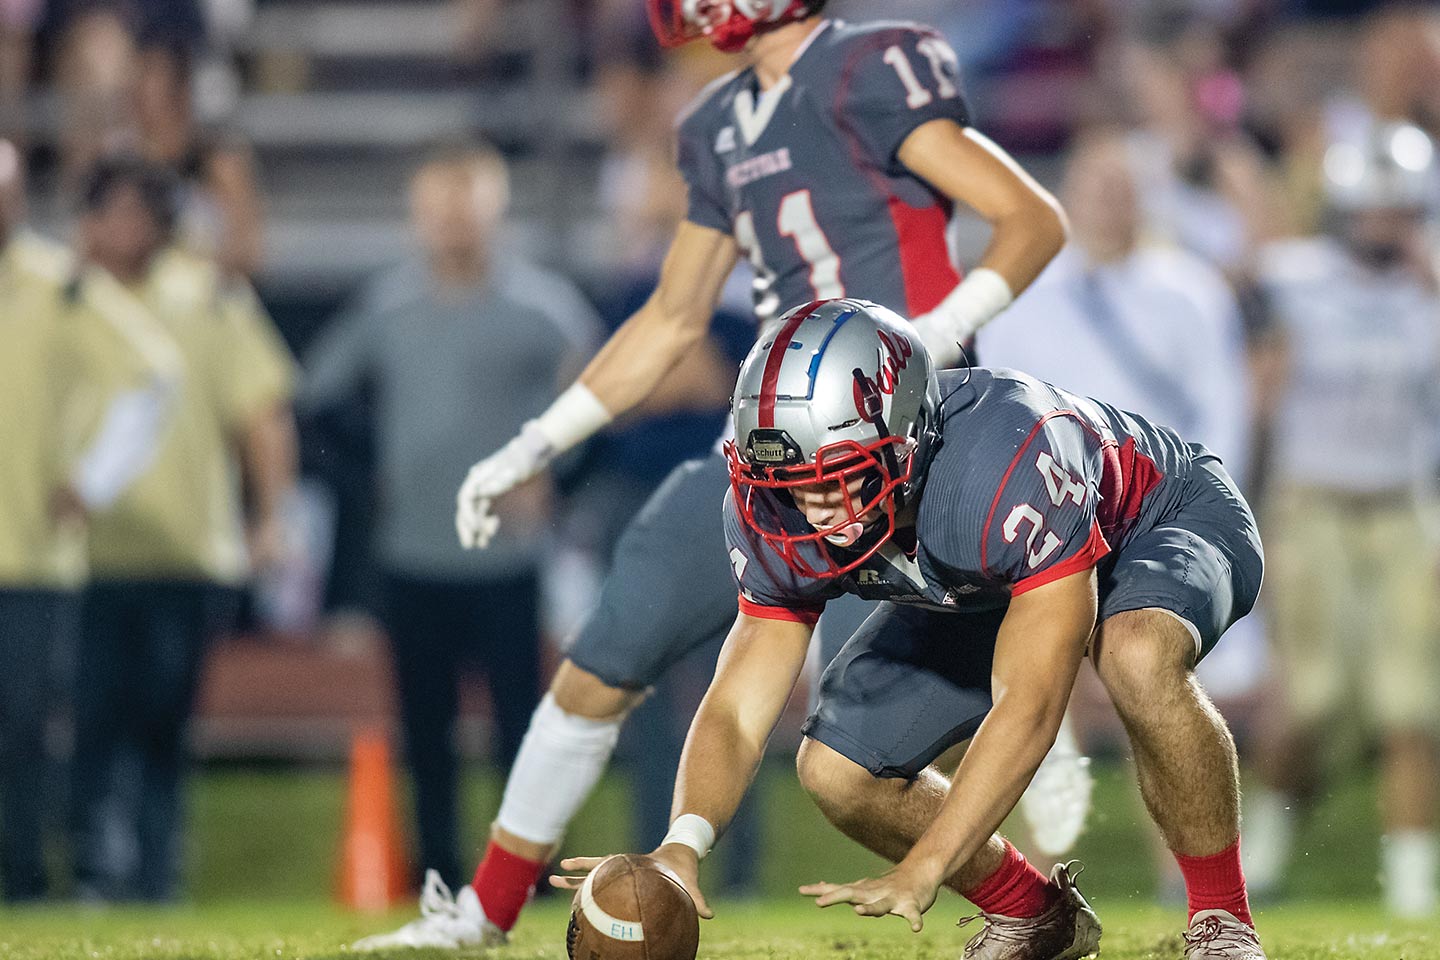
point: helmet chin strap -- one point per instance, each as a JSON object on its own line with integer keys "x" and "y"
{"x": 924, "y": 445}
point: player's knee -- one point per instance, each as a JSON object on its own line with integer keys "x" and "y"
{"x": 1141, "y": 654}
{"x": 579, "y": 692}
{"x": 839, "y": 786}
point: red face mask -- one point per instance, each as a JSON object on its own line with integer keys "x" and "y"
{"x": 722, "y": 22}
{"x": 883, "y": 466}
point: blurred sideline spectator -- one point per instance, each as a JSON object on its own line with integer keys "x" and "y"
{"x": 640, "y": 190}
{"x": 220, "y": 205}
{"x": 96, "y": 71}
{"x": 86, "y": 393}
{"x": 126, "y": 72}
{"x": 1205, "y": 185}
{"x": 462, "y": 343}
{"x": 18, "y": 19}
{"x": 166, "y": 559}
{"x": 1352, "y": 562}
{"x": 477, "y": 25}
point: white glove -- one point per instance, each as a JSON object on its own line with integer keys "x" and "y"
{"x": 505, "y": 469}
{"x": 575, "y": 415}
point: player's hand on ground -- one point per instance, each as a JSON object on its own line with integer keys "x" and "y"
{"x": 686, "y": 864}
{"x": 901, "y": 892}
{"x": 519, "y": 460}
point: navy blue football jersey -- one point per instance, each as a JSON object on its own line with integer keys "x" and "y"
{"x": 805, "y": 175}
{"x": 1030, "y": 484}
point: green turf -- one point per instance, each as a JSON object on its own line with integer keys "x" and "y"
{"x": 262, "y": 865}
{"x": 773, "y": 931}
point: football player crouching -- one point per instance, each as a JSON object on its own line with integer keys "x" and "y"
{"x": 1011, "y": 529}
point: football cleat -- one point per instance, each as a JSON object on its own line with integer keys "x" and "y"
{"x": 446, "y": 922}
{"x": 1069, "y": 930}
{"x": 1218, "y": 935}
{"x": 1057, "y": 802}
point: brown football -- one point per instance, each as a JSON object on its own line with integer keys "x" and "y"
{"x": 631, "y": 907}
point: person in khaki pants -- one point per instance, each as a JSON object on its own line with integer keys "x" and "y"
{"x": 85, "y": 394}
{"x": 166, "y": 559}
{"x": 1353, "y": 558}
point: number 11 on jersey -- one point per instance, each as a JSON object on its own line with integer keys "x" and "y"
{"x": 796, "y": 220}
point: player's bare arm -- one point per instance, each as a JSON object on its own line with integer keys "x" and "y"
{"x": 965, "y": 165}
{"x": 1027, "y": 223}
{"x": 629, "y": 366}
{"x": 757, "y": 670}
{"x": 1037, "y": 654}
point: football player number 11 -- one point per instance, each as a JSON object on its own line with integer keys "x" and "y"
{"x": 796, "y": 218}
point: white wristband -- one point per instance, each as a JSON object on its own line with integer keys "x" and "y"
{"x": 692, "y": 830}
{"x": 576, "y": 415}
{"x": 973, "y": 303}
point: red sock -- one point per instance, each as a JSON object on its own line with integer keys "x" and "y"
{"x": 1017, "y": 889}
{"x": 1216, "y": 883}
{"x": 504, "y": 882}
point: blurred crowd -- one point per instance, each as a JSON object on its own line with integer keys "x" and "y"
{"x": 1252, "y": 187}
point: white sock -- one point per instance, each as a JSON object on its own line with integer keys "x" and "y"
{"x": 1268, "y": 834}
{"x": 560, "y": 761}
{"x": 1409, "y": 862}
{"x": 1057, "y": 802}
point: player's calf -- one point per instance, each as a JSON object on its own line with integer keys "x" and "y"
{"x": 1184, "y": 754}
{"x": 1186, "y": 764}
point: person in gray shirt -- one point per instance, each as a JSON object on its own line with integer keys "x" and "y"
{"x": 462, "y": 342}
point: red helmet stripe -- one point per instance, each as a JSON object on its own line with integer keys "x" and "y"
{"x": 773, "y": 361}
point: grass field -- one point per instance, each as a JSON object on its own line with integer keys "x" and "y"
{"x": 262, "y": 866}
{"x": 773, "y": 931}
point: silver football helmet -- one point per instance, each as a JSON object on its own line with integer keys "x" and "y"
{"x": 842, "y": 390}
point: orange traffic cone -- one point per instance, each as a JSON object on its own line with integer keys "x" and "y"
{"x": 372, "y": 860}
